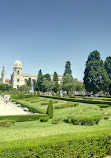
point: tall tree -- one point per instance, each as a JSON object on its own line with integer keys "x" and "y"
{"x": 95, "y": 76}
{"x": 55, "y": 79}
{"x": 29, "y": 82}
{"x": 68, "y": 68}
{"x": 47, "y": 85}
{"x": 107, "y": 65}
{"x": 67, "y": 83}
{"x": 38, "y": 85}
{"x": 47, "y": 76}
{"x": 49, "y": 111}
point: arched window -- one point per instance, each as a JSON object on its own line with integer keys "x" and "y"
{"x": 18, "y": 72}
{"x": 18, "y": 80}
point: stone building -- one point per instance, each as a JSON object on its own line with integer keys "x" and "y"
{"x": 18, "y": 78}
{"x": 2, "y": 79}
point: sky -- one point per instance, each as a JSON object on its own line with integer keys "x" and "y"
{"x": 44, "y": 34}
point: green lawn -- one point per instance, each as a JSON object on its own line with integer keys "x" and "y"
{"x": 33, "y": 133}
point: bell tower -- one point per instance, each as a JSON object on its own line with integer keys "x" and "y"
{"x": 3, "y": 75}
{"x": 17, "y": 74}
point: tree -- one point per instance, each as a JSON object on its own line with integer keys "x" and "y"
{"x": 24, "y": 89}
{"x": 38, "y": 85}
{"x": 47, "y": 85}
{"x": 67, "y": 83}
{"x": 107, "y": 65}
{"x": 68, "y": 68}
{"x": 5, "y": 87}
{"x": 55, "y": 79}
{"x": 49, "y": 111}
{"x": 47, "y": 76}
{"x": 29, "y": 82}
{"x": 95, "y": 76}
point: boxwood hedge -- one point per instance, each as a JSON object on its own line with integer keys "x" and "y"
{"x": 94, "y": 147}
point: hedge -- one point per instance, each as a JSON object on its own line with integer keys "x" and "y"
{"x": 87, "y": 121}
{"x": 31, "y": 109}
{"x": 80, "y": 100}
{"x": 94, "y": 147}
{"x": 22, "y": 118}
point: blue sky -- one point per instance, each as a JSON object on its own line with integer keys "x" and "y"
{"x": 44, "y": 34}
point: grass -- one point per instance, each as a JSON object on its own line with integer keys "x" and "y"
{"x": 33, "y": 133}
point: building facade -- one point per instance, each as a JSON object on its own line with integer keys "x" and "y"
{"x": 18, "y": 78}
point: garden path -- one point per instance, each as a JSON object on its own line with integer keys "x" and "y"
{"x": 10, "y": 108}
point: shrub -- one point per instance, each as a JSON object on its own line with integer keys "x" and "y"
{"x": 49, "y": 111}
{"x": 94, "y": 147}
{"x": 43, "y": 119}
{"x": 56, "y": 121}
{"x": 44, "y": 103}
{"x": 103, "y": 105}
{"x": 31, "y": 109}
{"x": 80, "y": 100}
{"x": 22, "y": 118}
{"x": 65, "y": 105}
{"x": 7, "y": 123}
{"x": 106, "y": 117}
{"x": 82, "y": 121}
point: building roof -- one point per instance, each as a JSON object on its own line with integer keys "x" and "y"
{"x": 7, "y": 80}
{"x": 18, "y": 63}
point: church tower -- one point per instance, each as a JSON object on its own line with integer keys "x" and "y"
{"x": 3, "y": 75}
{"x": 17, "y": 74}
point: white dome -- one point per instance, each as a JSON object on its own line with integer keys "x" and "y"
{"x": 18, "y": 63}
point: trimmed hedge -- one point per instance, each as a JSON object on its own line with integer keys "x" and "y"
{"x": 31, "y": 109}
{"x": 87, "y": 121}
{"x": 6, "y": 123}
{"x": 80, "y": 100}
{"x": 65, "y": 105}
{"x": 94, "y": 147}
{"x": 103, "y": 105}
{"x": 22, "y": 118}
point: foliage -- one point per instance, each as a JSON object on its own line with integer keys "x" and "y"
{"x": 55, "y": 79}
{"x": 103, "y": 105}
{"x": 38, "y": 86}
{"x": 95, "y": 76}
{"x": 5, "y": 87}
{"x": 24, "y": 89}
{"x": 89, "y": 101}
{"x": 31, "y": 108}
{"x": 47, "y": 85}
{"x": 67, "y": 83}
{"x": 65, "y": 105}
{"x": 7, "y": 123}
{"x": 68, "y": 69}
{"x": 87, "y": 121}
{"x": 107, "y": 65}
{"x": 21, "y": 118}
{"x": 43, "y": 119}
{"x": 98, "y": 146}
{"x": 49, "y": 111}
{"x": 47, "y": 76}
{"x": 29, "y": 82}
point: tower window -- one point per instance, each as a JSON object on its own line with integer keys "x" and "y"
{"x": 18, "y": 80}
{"x": 18, "y": 72}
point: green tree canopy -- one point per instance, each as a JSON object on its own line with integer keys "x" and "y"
{"x": 55, "y": 79}
{"x": 38, "y": 85}
{"x": 29, "y": 82}
{"x": 67, "y": 83}
{"x": 95, "y": 76}
{"x": 68, "y": 68}
{"x": 107, "y": 65}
